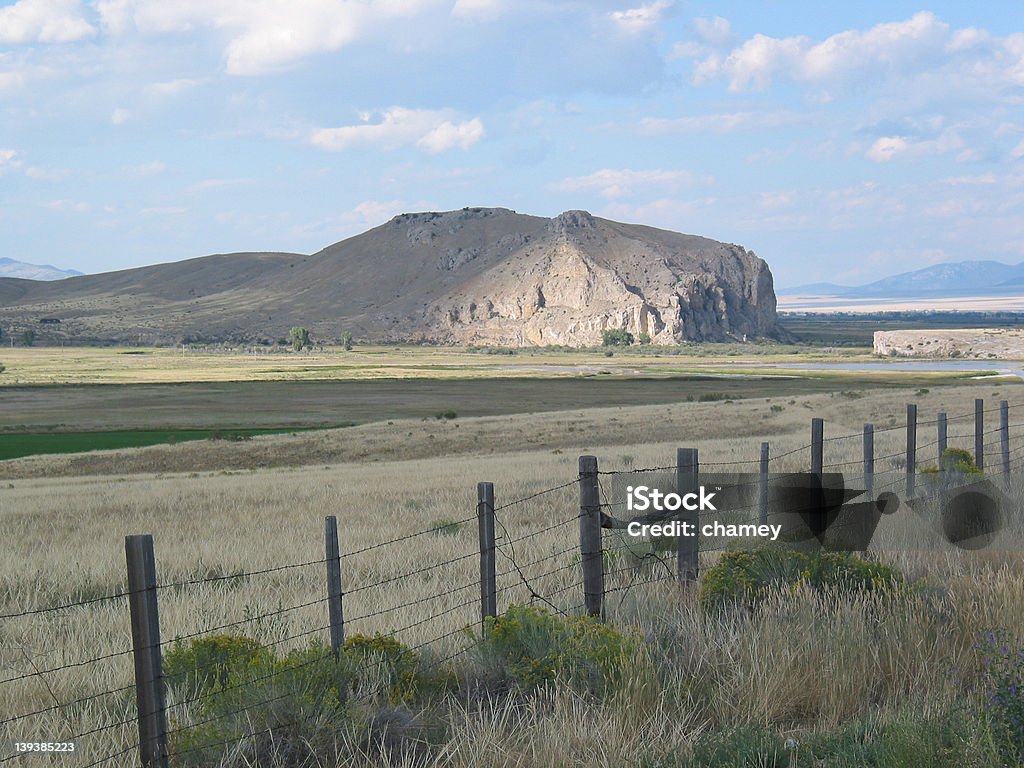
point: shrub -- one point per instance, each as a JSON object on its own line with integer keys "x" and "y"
{"x": 1004, "y": 696}
{"x": 394, "y": 662}
{"x": 745, "y": 577}
{"x": 536, "y": 648}
{"x": 449, "y": 414}
{"x": 616, "y": 337}
{"x": 711, "y": 397}
{"x": 211, "y": 662}
{"x": 2, "y": 368}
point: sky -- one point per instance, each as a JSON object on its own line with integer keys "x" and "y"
{"x": 841, "y": 142}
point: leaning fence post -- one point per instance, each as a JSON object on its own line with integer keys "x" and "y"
{"x": 911, "y": 448}
{"x": 591, "y": 552}
{"x": 817, "y": 445}
{"x": 942, "y": 437}
{"x": 1004, "y": 438}
{"x": 335, "y": 612}
{"x": 687, "y": 547}
{"x": 762, "y": 495}
{"x": 488, "y": 580}
{"x": 149, "y": 677}
{"x": 869, "y": 460}
{"x": 979, "y": 433}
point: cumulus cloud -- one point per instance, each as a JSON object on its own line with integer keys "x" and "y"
{"x": 8, "y": 159}
{"x": 478, "y": 9}
{"x": 642, "y": 18}
{"x": 43, "y": 21}
{"x": 887, "y": 148}
{"x": 613, "y": 183}
{"x": 714, "y": 31}
{"x": 263, "y": 35}
{"x": 432, "y": 131}
{"x": 761, "y": 59}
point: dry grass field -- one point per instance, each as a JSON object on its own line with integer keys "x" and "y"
{"x": 901, "y": 675}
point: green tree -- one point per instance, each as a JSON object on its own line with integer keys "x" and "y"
{"x": 616, "y": 337}
{"x": 299, "y": 338}
{"x": 346, "y": 341}
{"x": 28, "y": 337}
{"x": 644, "y": 338}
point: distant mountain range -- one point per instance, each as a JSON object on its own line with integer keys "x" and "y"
{"x": 963, "y": 278}
{"x": 14, "y": 268}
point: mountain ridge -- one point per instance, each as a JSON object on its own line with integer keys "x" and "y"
{"x": 469, "y": 276}
{"x": 960, "y": 278}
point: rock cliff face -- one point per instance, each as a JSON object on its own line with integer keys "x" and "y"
{"x": 472, "y": 276}
{"x": 585, "y": 275}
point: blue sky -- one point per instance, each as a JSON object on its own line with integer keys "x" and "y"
{"x": 842, "y": 142}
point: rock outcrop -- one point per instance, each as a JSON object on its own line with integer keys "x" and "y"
{"x": 471, "y": 276}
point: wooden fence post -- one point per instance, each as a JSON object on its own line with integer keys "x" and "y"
{"x": 335, "y": 612}
{"x": 869, "y": 460}
{"x": 942, "y": 437}
{"x": 762, "y": 495}
{"x": 911, "y": 449}
{"x": 1004, "y": 439}
{"x": 149, "y": 677}
{"x": 979, "y": 433}
{"x": 687, "y": 547}
{"x": 591, "y": 550}
{"x": 817, "y": 445}
{"x": 488, "y": 580}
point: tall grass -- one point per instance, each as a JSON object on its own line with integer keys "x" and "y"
{"x": 893, "y": 678}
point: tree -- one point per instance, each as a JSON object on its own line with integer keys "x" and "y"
{"x": 2, "y": 368}
{"x": 28, "y": 337}
{"x": 346, "y": 341}
{"x": 299, "y": 338}
{"x": 616, "y": 337}
{"x": 644, "y": 338}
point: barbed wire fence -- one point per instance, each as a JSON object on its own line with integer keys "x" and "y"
{"x": 569, "y": 566}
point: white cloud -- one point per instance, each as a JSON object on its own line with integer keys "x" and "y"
{"x": 449, "y": 135}
{"x": 718, "y": 122}
{"x": 47, "y": 174}
{"x": 8, "y": 159}
{"x": 1017, "y": 152}
{"x": 153, "y": 168}
{"x": 888, "y": 148}
{"x": 263, "y": 35}
{"x": 642, "y": 18}
{"x": 761, "y": 59}
{"x": 76, "y": 206}
{"x": 715, "y": 31}
{"x": 171, "y": 88}
{"x": 43, "y": 21}
{"x": 120, "y": 116}
{"x": 432, "y": 131}
{"x": 776, "y": 200}
{"x": 613, "y": 183}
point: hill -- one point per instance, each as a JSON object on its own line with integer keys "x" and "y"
{"x": 26, "y": 271}
{"x": 476, "y": 275}
{"x": 963, "y": 278}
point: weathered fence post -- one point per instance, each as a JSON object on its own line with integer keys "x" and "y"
{"x": 591, "y": 551}
{"x": 762, "y": 495}
{"x": 335, "y": 612}
{"x": 687, "y": 547}
{"x": 979, "y": 433}
{"x": 149, "y": 677}
{"x": 942, "y": 437}
{"x": 869, "y": 460}
{"x": 1004, "y": 439}
{"x": 911, "y": 449}
{"x": 488, "y": 581}
{"x": 817, "y": 445}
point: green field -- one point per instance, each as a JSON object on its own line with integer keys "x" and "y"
{"x": 17, "y": 444}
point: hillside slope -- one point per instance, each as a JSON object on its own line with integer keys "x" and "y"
{"x": 476, "y": 275}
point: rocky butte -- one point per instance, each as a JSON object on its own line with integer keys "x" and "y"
{"x": 471, "y": 276}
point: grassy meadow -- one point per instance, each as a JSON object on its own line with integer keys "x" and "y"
{"x": 806, "y": 678}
